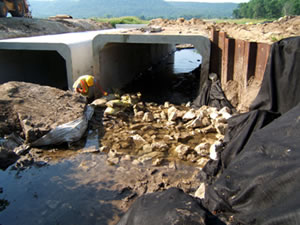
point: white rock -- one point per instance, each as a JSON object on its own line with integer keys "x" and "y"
{"x": 226, "y": 115}
{"x": 138, "y": 140}
{"x": 170, "y": 123}
{"x": 157, "y": 162}
{"x": 182, "y": 149}
{"x": 126, "y": 158}
{"x": 160, "y": 146}
{"x": 189, "y": 115}
{"x": 202, "y": 149}
{"x": 196, "y": 123}
{"x": 163, "y": 115}
{"x": 213, "y": 115}
{"x": 139, "y": 114}
{"x": 104, "y": 149}
{"x": 172, "y": 113}
{"x": 136, "y": 162}
{"x": 168, "y": 138}
{"x": 213, "y": 153}
{"x": 200, "y": 193}
{"x": 148, "y": 117}
{"x": 147, "y": 148}
{"x": 167, "y": 105}
{"x": 225, "y": 109}
{"x": 172, "y": 116}
{"x": 214, "y": 148}
{"x": 202, "y": 162}
{"x": 188, "y": 104}
{"x": 112, "y": 153}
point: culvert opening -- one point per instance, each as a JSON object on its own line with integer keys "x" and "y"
{"x": 35, "y": 66}
{"x": 160, "y": 72}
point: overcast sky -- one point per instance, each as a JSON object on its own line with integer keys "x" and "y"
{"x": 235, "y": 1}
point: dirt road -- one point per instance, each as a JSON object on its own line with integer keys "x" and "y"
{"x": 27, "y": 27}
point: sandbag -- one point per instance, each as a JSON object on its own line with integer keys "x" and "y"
{"x": 68, "y": 132}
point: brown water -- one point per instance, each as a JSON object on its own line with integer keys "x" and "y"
{"x": 81, "y": 189}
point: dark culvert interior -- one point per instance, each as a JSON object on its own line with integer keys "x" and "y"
{"x": 35, "y": 66}
{"x": 160, "y": 72}
{"x": 174, "y": 79}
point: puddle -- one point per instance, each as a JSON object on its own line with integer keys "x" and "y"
{"x": 81, "y": 189}
{"x": 73, "y": 191}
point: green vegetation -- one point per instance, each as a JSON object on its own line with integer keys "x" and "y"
{"x": 267, "y": 9}
{"x": 122, "y": 20}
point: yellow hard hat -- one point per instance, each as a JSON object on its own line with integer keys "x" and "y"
{"x": 90, "y": 81}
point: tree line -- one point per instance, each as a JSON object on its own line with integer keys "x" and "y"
{"x": 267, "y": 9}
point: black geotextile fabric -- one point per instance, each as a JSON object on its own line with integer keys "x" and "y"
{"x": 260, "y": 164}
{"x": 170, "y": 207}
{"x": 211, "y": 94}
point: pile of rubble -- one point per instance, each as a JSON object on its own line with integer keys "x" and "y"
{"x": 160, "y": 134}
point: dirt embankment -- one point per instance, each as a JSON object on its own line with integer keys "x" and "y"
{"x": 268, "y": 32}
{"x": 27, "y": 27}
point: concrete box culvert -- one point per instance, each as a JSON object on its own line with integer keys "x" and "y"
{"x": 118, "y": 57}
{"x": 54, "y": 60}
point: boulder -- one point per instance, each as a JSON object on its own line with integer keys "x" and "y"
{"x": 182, "y": 150}
{"x": 148, "y": 117}
{"x": 189, "y": 115}
{"x": 159, "y": 146}
{"x": 138, "y": 141}
{"x": 202, "y": 149}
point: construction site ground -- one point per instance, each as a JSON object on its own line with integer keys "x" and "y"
{"x": 136, "y": 147}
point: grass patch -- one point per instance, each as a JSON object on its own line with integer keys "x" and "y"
{"x": 241, "y": 21}
{"x": 121, "y": 20}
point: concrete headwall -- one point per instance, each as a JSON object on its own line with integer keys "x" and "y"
{"x": 118, "y": 57}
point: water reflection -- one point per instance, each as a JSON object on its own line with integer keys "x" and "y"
{"x": 186, "y": 60}
{"x": 59, "y": 194}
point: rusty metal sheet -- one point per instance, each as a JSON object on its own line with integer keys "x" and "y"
{"x": 228, "y": 61}
{"x": 263, "y": 51}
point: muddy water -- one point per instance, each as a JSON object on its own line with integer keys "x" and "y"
{"x": 81, "y": 189}
{"x": 78, "y": 188}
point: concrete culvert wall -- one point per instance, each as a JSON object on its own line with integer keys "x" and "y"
{"x": 119, "y": 57}
{"x": 40, "y": 67}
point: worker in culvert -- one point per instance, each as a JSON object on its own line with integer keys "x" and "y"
{"x": 87, "y": 86}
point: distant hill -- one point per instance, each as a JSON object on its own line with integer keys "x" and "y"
{"x": 140, "y": 8}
